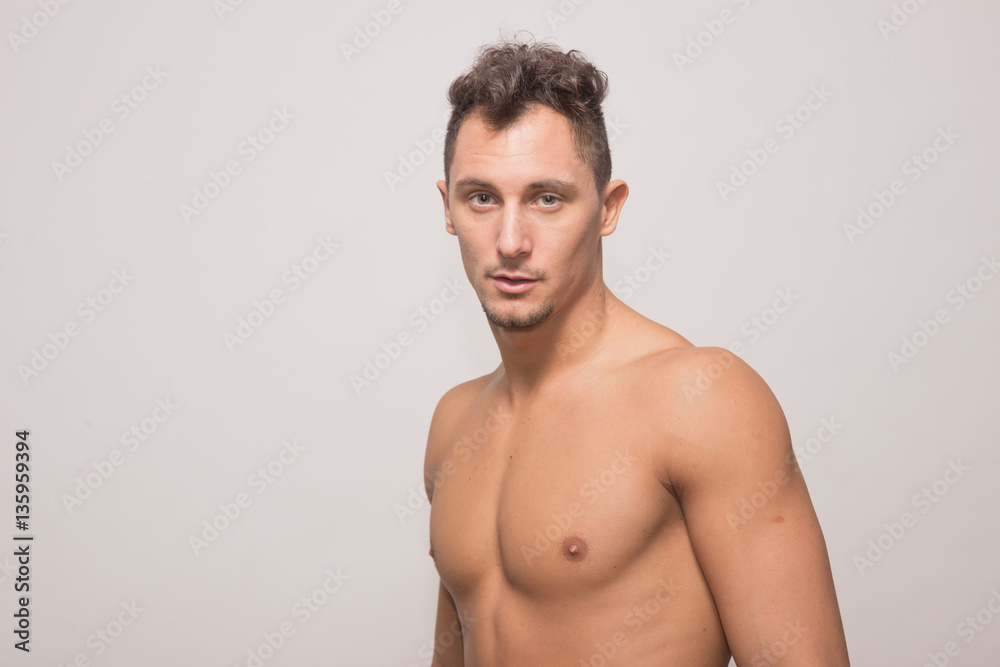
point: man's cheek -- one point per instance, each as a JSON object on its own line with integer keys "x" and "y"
{"x": 472, "y": 270}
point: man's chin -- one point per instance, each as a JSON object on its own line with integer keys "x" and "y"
{"x": 519, "y": 321}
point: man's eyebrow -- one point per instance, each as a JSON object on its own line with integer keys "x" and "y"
{"x": 547, "y": 184}
{"x": 552, "y": 184}
{"x": 466, "y": 182}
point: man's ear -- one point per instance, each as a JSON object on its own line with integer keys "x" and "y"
{"x": 443, "y": 188}
{"x": 615, "y": 194}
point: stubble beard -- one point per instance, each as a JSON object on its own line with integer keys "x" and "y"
{"x": 526, "y": 321}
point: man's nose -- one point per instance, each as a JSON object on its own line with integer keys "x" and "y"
{"x": 513, "y": 238}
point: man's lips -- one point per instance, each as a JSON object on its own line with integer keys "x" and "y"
{"x": 513, "y": 284}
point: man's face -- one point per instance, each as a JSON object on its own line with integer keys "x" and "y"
{"x": 527, "y": 215}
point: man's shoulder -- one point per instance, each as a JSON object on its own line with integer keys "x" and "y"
{"x": 452, "y": 408}
{"x": 716, "y": 405}
{"x": 695, "y": 392}
{"x": 696, "y": 386}
{"x": 701, "y": 376}
{"x": 458, "y": 400}
{"x": 675, "y": 366}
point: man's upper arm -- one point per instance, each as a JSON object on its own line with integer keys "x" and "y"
{"x": 448, "y": 644}
{"x": 446, "y": 414}
{"x": 749, "y": 516}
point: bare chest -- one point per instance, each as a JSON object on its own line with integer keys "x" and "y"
{"x": 550, "y": 501}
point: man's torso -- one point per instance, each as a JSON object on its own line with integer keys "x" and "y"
{"x": 555, "y": 531}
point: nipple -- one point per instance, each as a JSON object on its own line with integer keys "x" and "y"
{"x": 574, "y": 549}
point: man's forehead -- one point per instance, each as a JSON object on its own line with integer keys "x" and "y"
{"x": 538, "y": 147}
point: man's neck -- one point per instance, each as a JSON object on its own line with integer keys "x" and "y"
{"x": 559, "y": 346}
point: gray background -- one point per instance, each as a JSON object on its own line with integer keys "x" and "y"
{"x": 352, "y": 500}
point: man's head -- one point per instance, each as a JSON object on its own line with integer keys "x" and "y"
{"x": 509, "y": 78}
{"x": 522, "y": 194}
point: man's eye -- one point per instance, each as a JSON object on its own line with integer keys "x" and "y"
{"x": 483, "y": 199}
{"x": 549, "y": 200}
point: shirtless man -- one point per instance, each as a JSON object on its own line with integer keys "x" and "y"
{"x": 610, "y": 494}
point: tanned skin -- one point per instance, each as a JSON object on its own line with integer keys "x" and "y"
{"x": 586, "y": 496}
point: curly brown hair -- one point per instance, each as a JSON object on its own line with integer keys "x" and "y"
{"x": 510, "y": 77}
